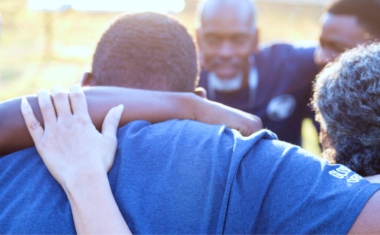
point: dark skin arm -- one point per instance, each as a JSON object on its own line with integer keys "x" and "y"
{"x": 368, "y": 221}
{"x": 151, "y": 106}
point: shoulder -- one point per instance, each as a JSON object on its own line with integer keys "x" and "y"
{"x": 20, "y": 159}
{"x": 187, "y": 135}
{"x": 296, "y": 187}
{"x": 286, "y": 50}
{"x": 294, "y": 63}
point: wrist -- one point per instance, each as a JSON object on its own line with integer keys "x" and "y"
{"x": 84, "y": 181}
{"x": 196, "y": 106}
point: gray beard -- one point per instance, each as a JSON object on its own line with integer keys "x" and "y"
{"x": 225, "y": 85}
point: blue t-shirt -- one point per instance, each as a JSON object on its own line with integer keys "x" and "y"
{"x": 285, "y": 75}
{"x": 187, "y": 177}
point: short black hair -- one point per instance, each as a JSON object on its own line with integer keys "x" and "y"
{"x": 146, "y": 51}
{"x": 366, "y": 11}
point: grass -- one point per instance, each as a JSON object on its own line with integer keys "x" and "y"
{"x": 27, "y": 64}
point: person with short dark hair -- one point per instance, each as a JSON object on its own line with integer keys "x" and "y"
{"x": 136, "y": 53}
{"x": 345, "y": 25}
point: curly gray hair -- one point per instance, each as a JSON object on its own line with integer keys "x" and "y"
{"x": 347, "y": 103}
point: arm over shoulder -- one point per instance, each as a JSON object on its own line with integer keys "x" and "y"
{"x": 368, "y": 221}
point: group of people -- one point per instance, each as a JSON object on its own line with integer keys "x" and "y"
{"x": 191, "y": 155}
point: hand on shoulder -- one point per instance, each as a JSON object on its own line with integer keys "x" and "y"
{"x": 69, "y": 143}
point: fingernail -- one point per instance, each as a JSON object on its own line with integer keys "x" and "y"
{"x": 56, "y": 89}
{"x": 119, "y": 110}
{"x": 24, "y": 102}
{"x": 75, "y": 89}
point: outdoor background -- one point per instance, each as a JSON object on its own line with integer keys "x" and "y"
{"x": 40, "y": 49}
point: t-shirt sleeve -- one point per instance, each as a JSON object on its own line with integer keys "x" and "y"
{"x": 286, "y": 190}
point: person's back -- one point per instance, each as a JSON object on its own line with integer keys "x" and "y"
{"x": 189, "y": 177}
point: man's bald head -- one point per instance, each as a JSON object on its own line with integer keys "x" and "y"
{"x": 243, "y": 9}
{"x": 227, "y": 36}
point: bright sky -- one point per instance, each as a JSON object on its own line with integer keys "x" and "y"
{"x": 162, "y": 6}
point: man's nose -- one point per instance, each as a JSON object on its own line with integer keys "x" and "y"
{"x": 226, "y": 50}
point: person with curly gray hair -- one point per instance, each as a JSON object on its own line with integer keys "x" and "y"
{"x": 347, "y": 104}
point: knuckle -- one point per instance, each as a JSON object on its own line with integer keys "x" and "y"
{"x": 82, "y": 120}
{"x": 33, "y": 125}
{"x": 65, "y": 124}
{"x": 46, "y": 107}
{"x": 43, "y": 145}
{"x": 111, "y": 119}
{"x": 59, "y": 95}
{"x": 77, "y": 96}
{"x": 28, "y": 112}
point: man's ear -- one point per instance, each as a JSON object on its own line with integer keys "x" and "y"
{"x": 201, "y": 92}
{"x": 256, "y": 41}
{"x": 88, "y": 80}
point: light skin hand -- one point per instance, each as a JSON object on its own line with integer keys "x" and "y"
{"x": 79, "y": 157}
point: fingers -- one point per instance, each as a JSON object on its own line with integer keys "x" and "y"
{"x": 257, "y": 123}
{"x": 61, "y": 102}
{"x": 111, "y": 122}
{"x": 255, "y": 126}
{"x": 46, "y": 106}
{"x": 201, "y": 92}
{"x": 34, "y": 127}
{"x": 79, "y": 103}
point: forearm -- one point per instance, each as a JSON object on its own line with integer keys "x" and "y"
{"x": 14, "y": 135}
{"x": 139, "y": 105}
{"x": 94, "y": 208}
{"x": 151, "y": 106}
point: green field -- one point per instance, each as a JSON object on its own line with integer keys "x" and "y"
{"x": 44, "y": 50}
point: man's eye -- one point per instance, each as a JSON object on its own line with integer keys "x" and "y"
{"x": 212, "y": 39}
{"x": 337, "y": 48}
{"x": 240, "y": 40}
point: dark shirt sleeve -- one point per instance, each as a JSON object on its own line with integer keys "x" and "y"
{"x": 285, "y": 190}
{"x": 296, "y": 60}
{"x": 303, "y": 58}
{"x": 307, "y": 69}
